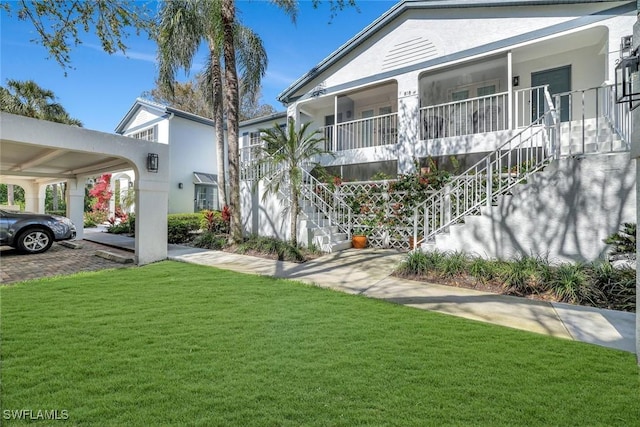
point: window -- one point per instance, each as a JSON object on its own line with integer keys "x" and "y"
{"x": 486, "y": 90}
{"x": 460, "y": 95}
{"x": 206, "y": 197}
{"x": 149, "y": 134}
{"x": 254, "y": 138}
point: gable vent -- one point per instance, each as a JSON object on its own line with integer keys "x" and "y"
{"x": 409, "y": 52}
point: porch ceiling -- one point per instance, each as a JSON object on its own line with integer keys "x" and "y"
{"x": 577, "y": 40}
{"x": 45, "y": 164}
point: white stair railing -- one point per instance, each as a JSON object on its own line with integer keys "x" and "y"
{"x": 325, "y": 205}
{"x": 592, "y": 122}
{"x": 480, "y": 185}
{"x": 319, "y": 203}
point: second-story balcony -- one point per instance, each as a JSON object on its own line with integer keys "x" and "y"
{"x": 363, "y": 133}
{"x": 470, "y": 116}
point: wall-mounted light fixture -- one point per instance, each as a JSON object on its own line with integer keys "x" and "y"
{"x": 152, "y": 162}
{"x": 628, "y": 81}
{"x": 130, "y": 184}
{"x": 515, "y": 81}
{"x": 627, "y": 86}
{"x": 180, "y": 186}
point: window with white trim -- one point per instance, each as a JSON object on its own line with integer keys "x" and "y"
{"x": 149, "y": 134}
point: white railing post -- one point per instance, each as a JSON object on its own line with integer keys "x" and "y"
{"x": 415, "y": 228}
{"x": 489, "y": 181}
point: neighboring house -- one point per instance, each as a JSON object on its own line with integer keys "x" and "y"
{"x": 525, "y": 82}
{"x": 193, "y": 180}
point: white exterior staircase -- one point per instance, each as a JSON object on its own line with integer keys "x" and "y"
{"x": 483, "y": 186}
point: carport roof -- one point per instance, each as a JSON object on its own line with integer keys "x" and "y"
{"x": 42, "y": 151}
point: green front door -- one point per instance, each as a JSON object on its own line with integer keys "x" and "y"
{"x": 559, "y": 81}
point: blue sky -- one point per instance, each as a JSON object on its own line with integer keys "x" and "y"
{"x": 101, "y": 88}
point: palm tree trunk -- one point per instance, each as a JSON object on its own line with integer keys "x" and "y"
{"x": 218, "y": 116}
{"x": 295, "y": 203}
{"x": 231, "y": 104}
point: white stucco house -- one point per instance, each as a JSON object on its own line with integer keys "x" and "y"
{"x": 193, "y": 184}
{"x": 519, "y": 92}
{"x": 192, "y": 159}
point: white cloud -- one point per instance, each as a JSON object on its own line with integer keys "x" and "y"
{"x": 131, "y": 54}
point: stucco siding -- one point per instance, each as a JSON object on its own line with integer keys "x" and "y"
{"x": 417, "y": 36}
{"x": 192, "y": 149}
{"x": 562, "y": 213}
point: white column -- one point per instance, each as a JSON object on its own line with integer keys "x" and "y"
{"x": 510, "y": 88}
{"x": 151, "y": 220}
{"x": 75, "y": 204}
{"x": 112, "y": 201}
{"x": 635, "y": 153}
{"x": 34, "y": 195}
{"x": 408, "y": 122}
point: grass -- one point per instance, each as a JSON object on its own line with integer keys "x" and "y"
{"x": 180, "y": 344}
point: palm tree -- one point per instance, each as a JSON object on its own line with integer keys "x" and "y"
{"x": 231, "y": 99}
{"x": 184, "y": 25}
{"x": 26, "y": 98}
{"x": 295, "y": 149}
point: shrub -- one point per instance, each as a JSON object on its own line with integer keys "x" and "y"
{"x": 616, "y": 288}
{"x": 454, "y": 264}
{"x": 598, "y": 284}
{"x": 126, "y": 226}
{"x": 483, "y": 270}
{"x": 524, "y": 275}
{"x": 420, "y": 263}
{"x": 209, "y": 240}
{"x": 570, "y": 284}
{"x": 215, "y": 221}
{"x": 284, "y": 251}
{"x": 624, "y": 241}
{"x": 91, "y": 219}
{"x": 181, "y": 228}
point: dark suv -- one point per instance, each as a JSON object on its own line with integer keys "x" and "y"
{"x": 33, "y": 233}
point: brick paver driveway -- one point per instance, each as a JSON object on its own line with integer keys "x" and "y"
{"x": 59, "y": 260}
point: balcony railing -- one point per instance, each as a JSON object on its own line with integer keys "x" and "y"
{"x": 477, "y": 115}
{"x": 362, "y": 133}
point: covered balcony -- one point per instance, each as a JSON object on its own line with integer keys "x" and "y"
{"x": 358, "y": 119}
{"x": 474, "y": 106}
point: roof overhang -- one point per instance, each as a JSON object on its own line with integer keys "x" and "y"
{"x": 161, "y": 109}
{"x": 41, "y": 151}
{"x": 287, "y": 96}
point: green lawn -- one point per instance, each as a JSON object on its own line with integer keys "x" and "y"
{"x": 180, "y": 344}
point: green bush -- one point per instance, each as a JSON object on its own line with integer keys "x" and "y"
{"x": 524, "y": 275}
{"x": 214, "y": 222}
{"x": 570, "y": 283}
{"x": 284, "y": 251}
{"x": 455, "y": 264}
{"x": 624, "y": 241}
{"x": 181, "y": 228}
{"x": 209, "y": 240}
{"x": 419, "y": 263}
{"x": 598, "y": 284}
{"x": 616, "y": 287}
{"x": 483, "y": 270}
{"x": 125, "y": 227}
{"x": 93, "y": 218}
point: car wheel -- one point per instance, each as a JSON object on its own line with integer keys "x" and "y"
{"x": 35, "y": 241}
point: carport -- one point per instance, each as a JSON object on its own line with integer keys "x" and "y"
{"x": 35, "y": 153}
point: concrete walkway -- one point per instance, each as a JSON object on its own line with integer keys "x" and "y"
{"x": 367, "y": 272}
